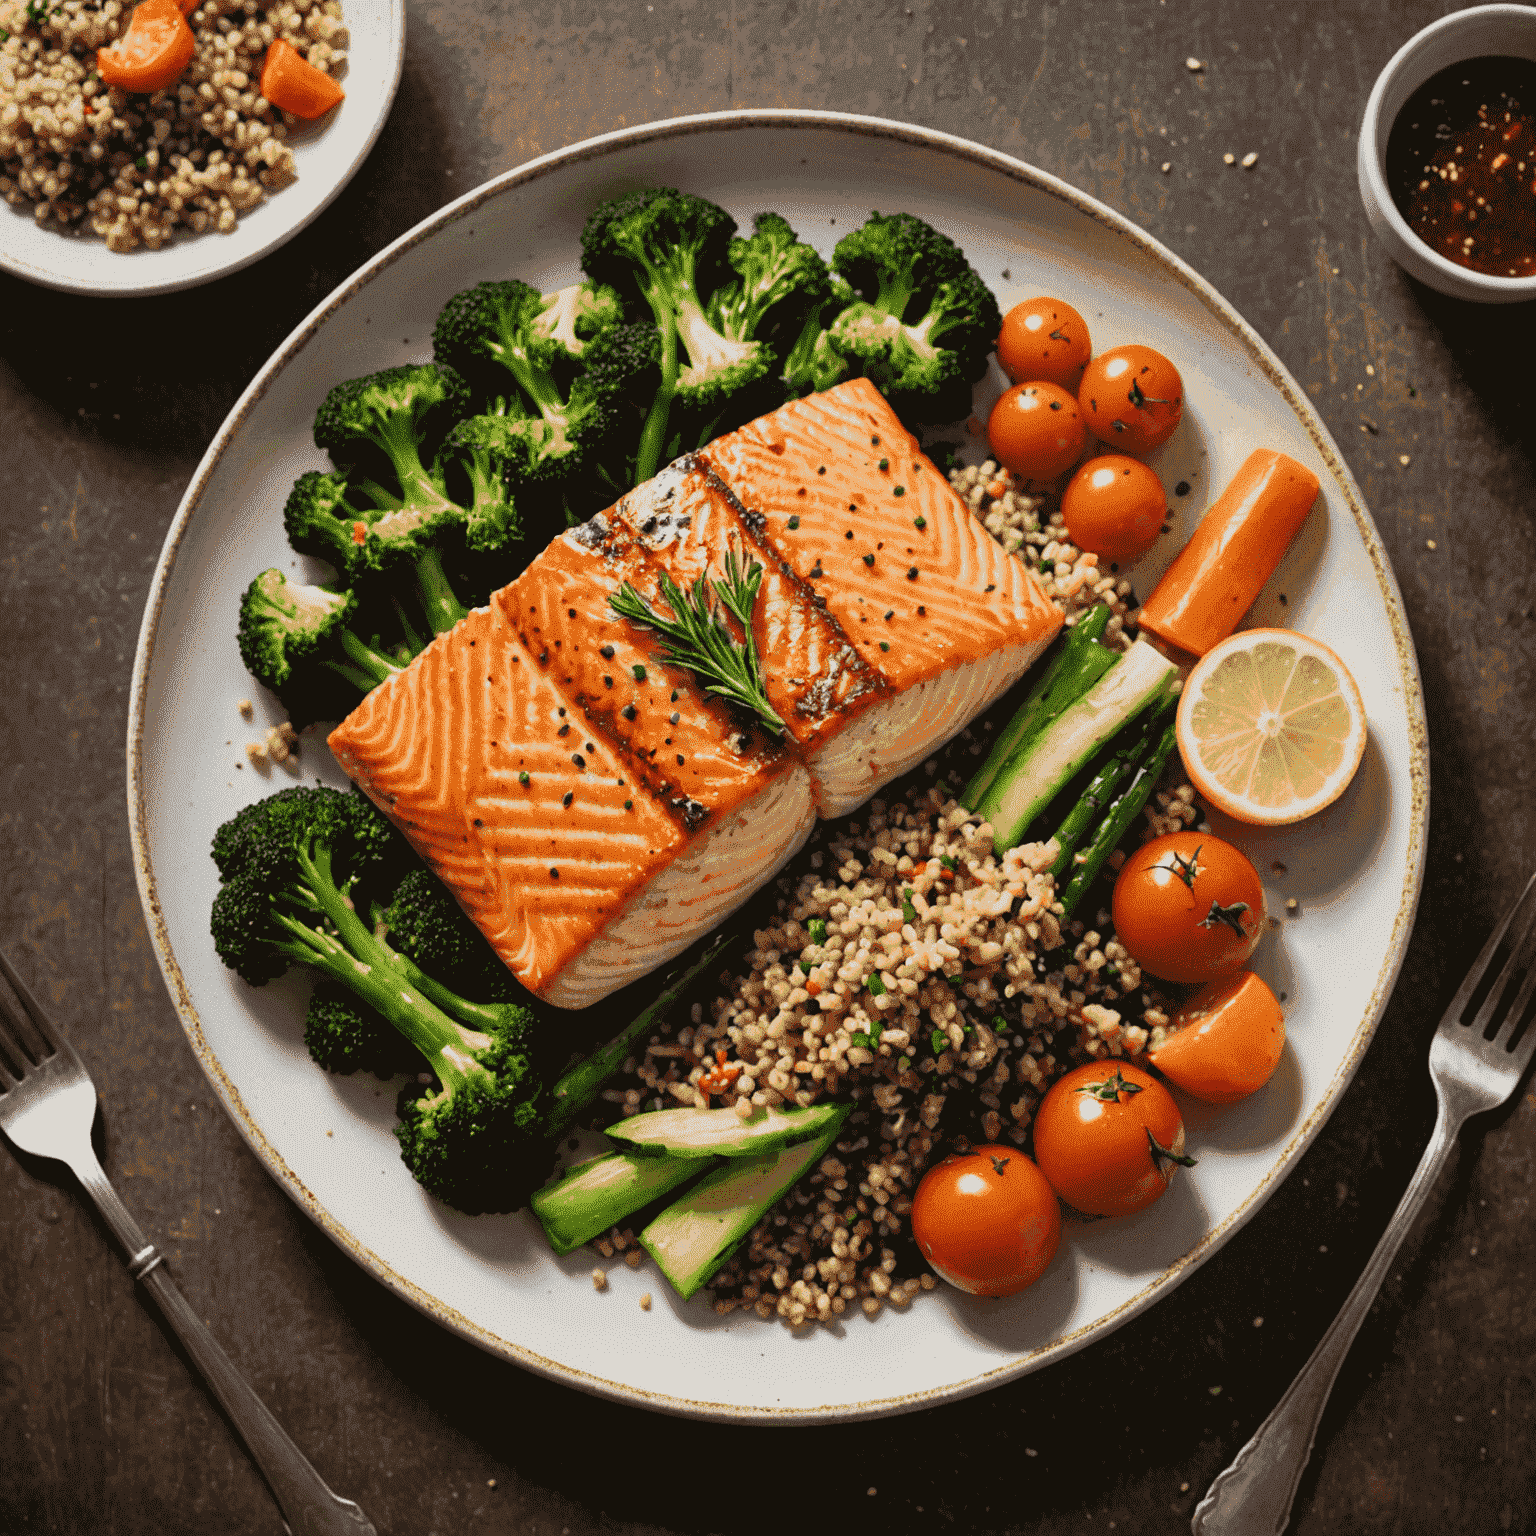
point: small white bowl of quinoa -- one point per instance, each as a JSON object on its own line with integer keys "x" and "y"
{"x": 111, "y": 192}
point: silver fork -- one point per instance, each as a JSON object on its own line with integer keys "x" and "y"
{"x": 47, "y": 1105}
{"x": 1471, "y": 1074}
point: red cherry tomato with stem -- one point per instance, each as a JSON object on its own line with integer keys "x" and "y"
{"x": 987, "y": 1221}
{"x": 1132, "y": 398}
{"x": 1109, "y": 1138}
{"x": 1188, "y": 907}
{"x": 1036, "y": 430}
{"x": 1044, "y": 339}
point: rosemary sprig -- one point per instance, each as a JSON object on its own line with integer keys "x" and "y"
{"x": 700, "y": 639}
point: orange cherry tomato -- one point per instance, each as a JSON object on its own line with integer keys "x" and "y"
{"x": 1230, "y": 1036}
{"x": 987, "y": 1221}
{"x": 1132, "y": 398}
{"x": 1109, "y": 1137}
{"x": 152, "y": 53}
{"x": 290, "y": 81}
{"x": 1114, "y": 506}
{"x": 1036, "y": 430}
{"x": 1044, "y": 339}
{"x": 1188, "y": 907}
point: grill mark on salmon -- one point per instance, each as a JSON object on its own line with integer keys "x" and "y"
{"x": 686, "y": 518}
{"x": 683, "y": 746}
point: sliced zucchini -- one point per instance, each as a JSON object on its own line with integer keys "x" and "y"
{"x": 1078, "y": 663}
{"x": 695, "y": 1235}
{"x": 720, "y": 1132}
{"x": 1038, "y": 771}
{"x": 591, "y": 1197}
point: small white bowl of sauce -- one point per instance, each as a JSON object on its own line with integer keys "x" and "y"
{"x": 1447, "y": 155}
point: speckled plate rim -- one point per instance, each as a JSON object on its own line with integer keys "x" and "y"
{"x": 191, "y": 261}
{"x": 1263, "y": 357}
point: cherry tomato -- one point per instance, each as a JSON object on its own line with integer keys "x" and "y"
{"x": 1188, "y": 907}
{"x": 1132, "y": 398}
{"x": 987, "y": 1221}
{"x": 1230, "y": 1037}
{"x": 1036, "y": 430}
{"x": 1114, "y": 506}
{"x": 1108, "y": 1137}
{"x": 1044, "y": 339}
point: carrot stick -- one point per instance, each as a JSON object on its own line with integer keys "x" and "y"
{"x": 1216, "y": 576}
{"x": 290, "y": 81}
{"x": 152, "y": 53}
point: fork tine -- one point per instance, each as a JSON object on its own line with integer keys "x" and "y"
{"x": 1525, "y": 1047}
{"x": 36, "y": 1018}
{"x": 1519, "y": 960}
{"x": 1479, "y": 967}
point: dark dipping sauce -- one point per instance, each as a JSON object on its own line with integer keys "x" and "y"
{"x": 1461, "y": 165}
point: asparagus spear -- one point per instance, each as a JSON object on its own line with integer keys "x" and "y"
{"x": 1117, "y": 820}
{"x": 1126, "y": 752}
{"x": 581, "y": 1084}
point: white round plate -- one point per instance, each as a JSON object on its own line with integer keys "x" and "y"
{"x": 1354, "y": 870}
{"x": 327, "y": 155}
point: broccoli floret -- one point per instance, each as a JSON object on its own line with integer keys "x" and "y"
{"x": 296, "y": 870}
{"x": 667, "y": 251}
{"x": 387, "y": 508}
{"x": 554, "y": 418}
{"x": 779, "y": 281}
{"x": 344, "y": 1035}
{"x": 304, "y": 643}
{"x": 426, "y": 925}
{"x": 925, "y": 321}
{"x": 478, "y": 471}
{"x": 813, "y": 363}
{"x": 571, "y": 317}
{"x": 387, "y": 419}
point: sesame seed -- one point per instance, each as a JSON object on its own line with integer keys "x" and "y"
{"x": 1193, "y": 65}
{"x": 1250, "y": 160}
{"x": 1229, "y": 159}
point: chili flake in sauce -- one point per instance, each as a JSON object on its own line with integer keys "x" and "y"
{"x": 1461, "y": 165}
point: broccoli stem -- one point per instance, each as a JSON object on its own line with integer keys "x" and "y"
{"x": 369, "y": 667}
{"x": 653, "y": 437}
{"x": 535, "y": 382}
{"x": 354, "y": 957}
{"x": 438, "y": 599}
{"x": 578, "y": 1087}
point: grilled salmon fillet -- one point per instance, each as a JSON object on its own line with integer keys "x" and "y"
{"x": 593, "y": 807}
{"x": 935, "y": 608}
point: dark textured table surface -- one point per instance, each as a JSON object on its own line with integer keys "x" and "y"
{"x": 109, "y": 407}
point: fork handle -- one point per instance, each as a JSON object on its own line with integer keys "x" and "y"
{"x": 309, "y": 1507}
{"x": 1253, "y": 1496}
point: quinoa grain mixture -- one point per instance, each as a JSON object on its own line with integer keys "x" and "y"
{"x": 913, "y": 971}
{"x": 137, "y": 169}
